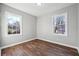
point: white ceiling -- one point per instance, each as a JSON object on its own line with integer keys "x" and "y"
{"x": 35, "y": 10}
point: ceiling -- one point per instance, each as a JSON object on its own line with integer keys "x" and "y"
{"x": 34, "y": 9}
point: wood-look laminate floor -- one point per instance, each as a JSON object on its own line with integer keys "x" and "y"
{"x": 39, "y": 48}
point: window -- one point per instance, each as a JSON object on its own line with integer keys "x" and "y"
{"x": 14, "y": 23}
{"x": 60, "y": 24}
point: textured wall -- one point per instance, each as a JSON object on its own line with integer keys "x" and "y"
{"x": 44, "y": 26}
{"x": 29, "y": 27}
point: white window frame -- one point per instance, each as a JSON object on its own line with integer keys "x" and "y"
{"x": 7, "y": 13}
{"x": 65, "y": 14}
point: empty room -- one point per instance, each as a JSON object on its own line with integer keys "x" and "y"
{"x": 39, "y": 29}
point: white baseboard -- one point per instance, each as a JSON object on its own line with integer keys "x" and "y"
{"x": 59, "y": 43}
{"x": 40, "y": 39}
{"x": 17, "y": 43}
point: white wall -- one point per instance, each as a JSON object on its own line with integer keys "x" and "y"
{"x": 44, "y": 27}
{"x": 0, "y": 25}
{"x": 0, "y": 29}
{"x": 29, "y": 27}
{"x": 78, "y": 26}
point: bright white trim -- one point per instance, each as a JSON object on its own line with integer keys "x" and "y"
{"x": 78, "y": 50}
{"x": 8, "y": 14}
{"x": 59, "y": 43}
{"x": 16, "y": 43}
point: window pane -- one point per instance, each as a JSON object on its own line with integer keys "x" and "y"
{"x": 13, "y": 25}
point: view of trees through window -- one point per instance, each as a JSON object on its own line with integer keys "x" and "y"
{"x": 13, "y": 25}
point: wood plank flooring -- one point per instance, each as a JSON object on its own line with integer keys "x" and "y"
{"x": 39, "y": 48}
